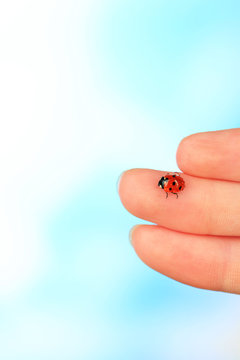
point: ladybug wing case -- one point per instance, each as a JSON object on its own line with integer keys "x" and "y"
{"x": 175, "y": 184}
{"x": 180, "y": 184}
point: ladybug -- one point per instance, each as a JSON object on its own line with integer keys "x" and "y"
{"x": 171, "y": 184}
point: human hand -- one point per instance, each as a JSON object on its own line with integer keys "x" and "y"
{"x": 197, "y": 237}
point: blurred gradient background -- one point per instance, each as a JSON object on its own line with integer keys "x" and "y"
{"x": 89, "y": 89}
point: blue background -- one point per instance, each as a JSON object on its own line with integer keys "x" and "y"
{"x": 89, "y": 89}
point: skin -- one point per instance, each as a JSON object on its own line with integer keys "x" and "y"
{"x": 196, "y": 238}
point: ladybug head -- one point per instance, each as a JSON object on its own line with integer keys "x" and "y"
{"x": 162, "y": 181}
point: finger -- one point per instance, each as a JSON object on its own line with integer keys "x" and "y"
{"x": 203, "y": 207}
{"x": 206, "y": 262}
{"x": 213, "y": 154}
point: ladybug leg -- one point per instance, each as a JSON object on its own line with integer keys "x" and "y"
{"x": 176, "y": 194}
{"x": 166, "y": 195}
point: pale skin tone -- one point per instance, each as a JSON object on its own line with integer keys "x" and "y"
{"x": 194, "y": 239}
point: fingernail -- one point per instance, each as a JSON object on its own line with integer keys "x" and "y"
{"x": 131, "y": 233}
{"x": 118, "y": 180}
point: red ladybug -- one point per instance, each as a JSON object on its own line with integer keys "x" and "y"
{"x": 171, "y": 184}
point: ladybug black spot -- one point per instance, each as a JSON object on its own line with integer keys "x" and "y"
{"x": 166, "y": 178}
{"x": 180, "y": 187}
{"x": 170, "y": 189}
{"x": 174, "y": 176}
{"x": 174, "y": 183}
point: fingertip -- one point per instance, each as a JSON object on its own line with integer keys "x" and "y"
{"x": 119, "y": 180}
{"x": 132, "y": 234}
{"x": 183, "y": 154}
{"x": 196, "y": 260}
{"x": 124, "y": 175}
